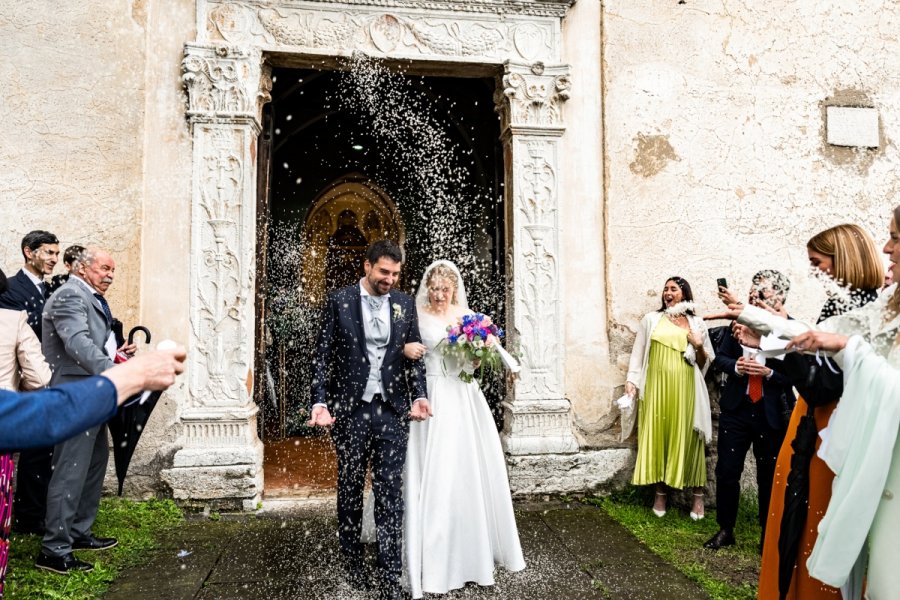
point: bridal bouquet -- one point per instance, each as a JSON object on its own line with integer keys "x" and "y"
{"x": 476, "y": 338}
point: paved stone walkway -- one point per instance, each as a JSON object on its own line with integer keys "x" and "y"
{"x": 572, "y": 552}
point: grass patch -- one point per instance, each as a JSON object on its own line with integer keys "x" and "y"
{"x": 135, "y": 524}
{"x": 728, "y": 574}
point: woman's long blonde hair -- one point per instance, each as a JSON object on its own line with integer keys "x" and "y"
{"x": 855, "y": 259}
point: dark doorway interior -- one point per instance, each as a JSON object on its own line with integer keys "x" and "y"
{"x": 335, "y": 184}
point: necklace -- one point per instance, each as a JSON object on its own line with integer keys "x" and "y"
{"x": 677, "y": 320}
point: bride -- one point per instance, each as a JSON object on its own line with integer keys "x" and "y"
{"x": 459, "y": 519}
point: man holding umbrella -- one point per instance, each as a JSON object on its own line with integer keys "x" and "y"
{"x": 76, "y": 340}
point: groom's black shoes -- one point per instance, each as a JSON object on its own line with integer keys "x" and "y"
{"x": 723, "y": 538}
{"x": 391, "y": 592}
{"x": 355, "y": 574}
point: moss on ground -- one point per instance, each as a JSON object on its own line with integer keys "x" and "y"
{"x": 731, "y": 573}
{"x": 137, "y": 526}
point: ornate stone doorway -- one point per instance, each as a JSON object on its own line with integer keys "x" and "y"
{"x": 339, "y": 182}
{"x": 227, "y": 74}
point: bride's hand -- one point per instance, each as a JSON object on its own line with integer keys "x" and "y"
{"x": 414, "y": 350}
{"x": 745, "y": 336}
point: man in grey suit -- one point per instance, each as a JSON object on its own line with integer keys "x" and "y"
{"x": 77, "y": 327}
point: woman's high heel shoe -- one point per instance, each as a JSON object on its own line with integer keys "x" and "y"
{"x": 695, "y": 516}
{"x": 656, "y": 511}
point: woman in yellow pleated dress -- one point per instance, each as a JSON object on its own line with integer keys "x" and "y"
{"x": 665, "y": 376}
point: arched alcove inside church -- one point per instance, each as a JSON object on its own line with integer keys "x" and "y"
{"x": 335, "y": 184}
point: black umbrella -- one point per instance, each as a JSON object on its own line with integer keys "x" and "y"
{"x": 819, "y": 383}
{"x": 128, "y": 423}
{"x": 796, "y": 501}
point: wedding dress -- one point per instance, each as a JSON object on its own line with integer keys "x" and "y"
{"x": 459, "y": 516}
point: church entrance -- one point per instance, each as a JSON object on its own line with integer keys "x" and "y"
{"x": 348, "y": 157}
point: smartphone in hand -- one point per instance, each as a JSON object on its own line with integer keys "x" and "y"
{"x": 722, "y": 283}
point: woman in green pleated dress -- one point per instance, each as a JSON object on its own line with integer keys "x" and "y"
{"x": 665, "y": 375}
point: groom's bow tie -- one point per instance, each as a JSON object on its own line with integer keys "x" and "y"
{"x": 379, "y": 327}
{"x": 375, "y": 303}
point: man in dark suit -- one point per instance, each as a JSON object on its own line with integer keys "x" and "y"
{"x": 27, "y": 291}
{"x": 77, "y": 344}
{"x": 755, "y": 407}
{"x": 362, "y": 387}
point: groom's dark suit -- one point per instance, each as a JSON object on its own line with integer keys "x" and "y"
{"x": 375, "y": 431}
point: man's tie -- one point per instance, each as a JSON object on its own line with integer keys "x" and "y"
{"x": 44, "y": 289}
{"x": 105, "y": 305}
{"x": 755, "y": 388}
{"x": 379, "y": 327}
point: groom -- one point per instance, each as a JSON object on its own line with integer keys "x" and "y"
{"x": 362, "y": 387}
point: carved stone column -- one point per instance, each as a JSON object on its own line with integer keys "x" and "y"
{"x": 529, "y": 99}
{"x": 221, "y": 456}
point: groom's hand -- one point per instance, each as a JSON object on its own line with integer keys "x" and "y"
{"x": 420, "y": 410}
{"x": 320, "y": 417}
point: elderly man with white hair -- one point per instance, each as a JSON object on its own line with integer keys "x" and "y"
{"x": 77, "y": 341}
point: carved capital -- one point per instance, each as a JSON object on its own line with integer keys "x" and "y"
{"x": 530, "y": 97}
{"x": 225, "y": 83}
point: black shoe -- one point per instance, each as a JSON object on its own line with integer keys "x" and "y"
{"x": 391, "y": 592}
{"x": 720, "y": 540}
{"x": 62, "y": 564}
{"x": 94, "y": 543}
{"x": 357, "y": 579}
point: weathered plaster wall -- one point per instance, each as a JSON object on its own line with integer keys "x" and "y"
{"x": 71, "y": 108}
{"x": 582, "y": 232}
{"x": 716, "y": 156}
{"x": 89, "y": 155}
{"x": 165, "y": 246}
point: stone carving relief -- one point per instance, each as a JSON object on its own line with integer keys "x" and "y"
{"x": 536, "y": 269}
{"x": 225, "y": 82}
{"x": 399, "y": 33}
{"x": 226, "y": 88}
{"x": 534, "y": 95}
{"x": 217, "y": 321}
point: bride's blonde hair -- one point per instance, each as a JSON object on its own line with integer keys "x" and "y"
{"x": 447, "y": 273}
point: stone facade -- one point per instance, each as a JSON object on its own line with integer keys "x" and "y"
{"x": 640, "y": 141}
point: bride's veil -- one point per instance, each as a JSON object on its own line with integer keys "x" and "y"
{"x": 422, "y": 294}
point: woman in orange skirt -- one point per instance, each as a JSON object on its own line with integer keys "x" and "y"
{"x": 846, "y": 254}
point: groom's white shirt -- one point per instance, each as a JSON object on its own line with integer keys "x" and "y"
{"x": 373, "y": 351}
